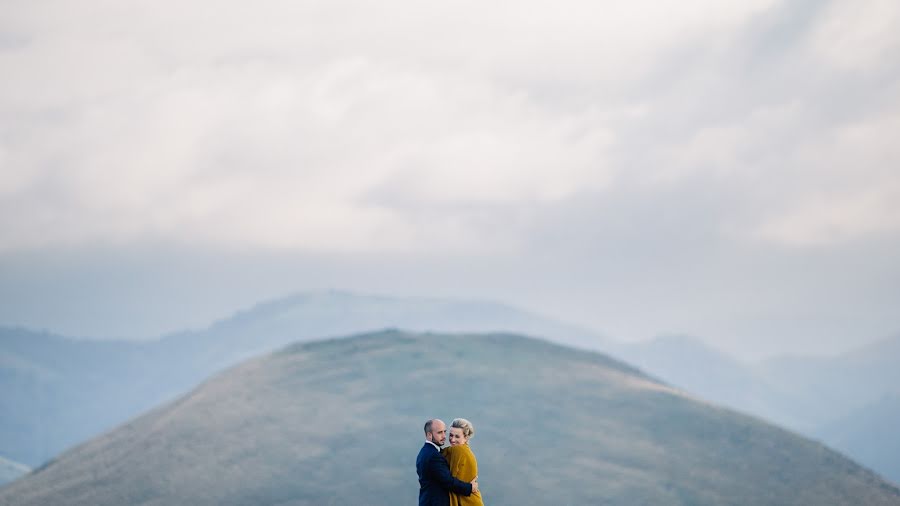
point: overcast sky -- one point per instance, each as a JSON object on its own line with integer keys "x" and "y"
{"x": 725, "y": 169}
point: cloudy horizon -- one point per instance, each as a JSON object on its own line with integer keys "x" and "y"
{"x": 721, "y": 169}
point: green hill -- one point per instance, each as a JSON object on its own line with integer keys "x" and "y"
{"x": 56, "y": 392}
{"x": 339, "y": 422}
{"x": 849, "y": 401}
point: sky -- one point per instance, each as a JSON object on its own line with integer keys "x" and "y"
{"x": 723, "y": 169}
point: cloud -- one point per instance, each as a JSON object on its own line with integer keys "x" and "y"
{"x": 850, "y": 191}
{"x": 726, "y": 169}
{"x": 857, "y": 37}
{"x": 351, "y": 127}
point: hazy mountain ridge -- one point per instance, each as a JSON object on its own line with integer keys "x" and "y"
{"x": 56, "y": 392}
{"x": 869, "y": 435}
{"x": 711, "y": 374}
{"x": 338, "y": 313}
{"x": 833, "y": 399}
{"x": 846, "y": 395}
{"x": 839, "y": 385}
{"x": 288, "y": 428}
{"x": 10, "y": 471}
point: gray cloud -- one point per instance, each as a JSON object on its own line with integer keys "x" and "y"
{"x": 651, "y": 167}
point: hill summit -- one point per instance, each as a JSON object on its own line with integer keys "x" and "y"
{"x": 340, "y": 422}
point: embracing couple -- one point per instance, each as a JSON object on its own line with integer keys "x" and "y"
{"x": 448, "y": 476}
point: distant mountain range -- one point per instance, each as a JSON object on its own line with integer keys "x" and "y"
{"x": 57, "y": 392}
{"x": 850, "y": 401}
{"x": 869, "y": 434}
{"x": 339, "y": 422}
{"x": 706, "y": 372}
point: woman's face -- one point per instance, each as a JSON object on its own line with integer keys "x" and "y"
{"x": 457, "y": 437}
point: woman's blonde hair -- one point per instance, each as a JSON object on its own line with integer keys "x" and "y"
{"x": 466, "y": 426}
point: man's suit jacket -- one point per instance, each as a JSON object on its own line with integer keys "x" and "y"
{"x": 435, "y": 480}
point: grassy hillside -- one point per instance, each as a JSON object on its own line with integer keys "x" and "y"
{"x": 57, "y": 392}
{"x": 339, "y": 422}
{"x": 870, "y": 435}
{"x": 851, "y": 401}
{"x": 692, "y": 365}
{"x": 844, "y": 400}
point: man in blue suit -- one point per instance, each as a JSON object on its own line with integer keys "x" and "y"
{"x": 435, "y": 480}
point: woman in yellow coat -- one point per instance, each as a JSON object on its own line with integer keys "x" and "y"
{"x": 463, "y": 465}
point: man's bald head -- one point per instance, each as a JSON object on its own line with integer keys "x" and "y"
{"x": 436, "y": 431}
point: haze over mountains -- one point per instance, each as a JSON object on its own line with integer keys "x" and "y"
{"x": 10, "y": 470}
{"x": 848, "y": 401}
{"x": 57, "y": 392}
{"x": 339, "y": 422}
{"x": 869, "y": 435}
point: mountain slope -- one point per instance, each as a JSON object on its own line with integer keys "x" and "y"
{"x": 339, "y": 422}
{"x": 869, "y": 435}
{"x": 315, "y": 315}
{"x": 10, "y": 471}
{"x": 56, "y": 392}
{"x": 849, "y": 401}
{"x": 694, "y": 366}
{"x": 838, "y": 386}
{"x": 846, "y": 401}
